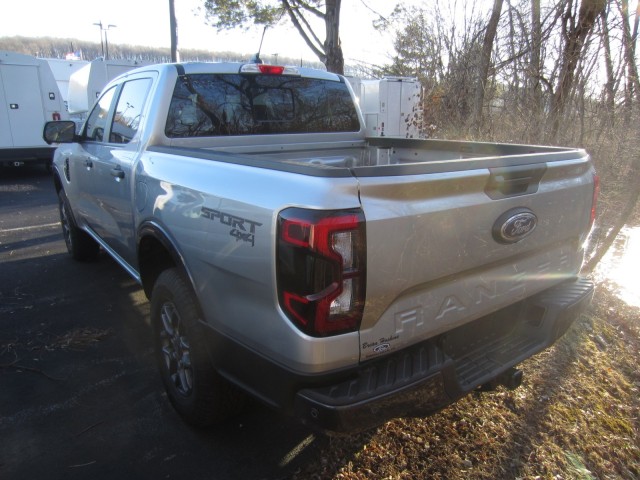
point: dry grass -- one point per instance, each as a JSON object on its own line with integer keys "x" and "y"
{"x": 577, "y": 416}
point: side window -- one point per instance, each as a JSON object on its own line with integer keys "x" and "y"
{"x": 128, "y": 110}
{"x": 97, "y": 121}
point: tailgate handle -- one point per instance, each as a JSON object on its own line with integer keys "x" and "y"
{"x": 506, "y": 182}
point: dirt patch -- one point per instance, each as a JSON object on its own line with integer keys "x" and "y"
{"x": 32, "y": 341}
{"x": 577, "y": 416}
{"x": 78, "y": 339}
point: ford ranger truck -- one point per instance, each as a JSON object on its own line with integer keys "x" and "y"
{"x": 343, "y": 279}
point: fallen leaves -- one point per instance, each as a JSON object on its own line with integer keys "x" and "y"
{"x": 577, "y": 415}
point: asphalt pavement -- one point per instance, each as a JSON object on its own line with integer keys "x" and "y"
{"x": 80, "y": 396}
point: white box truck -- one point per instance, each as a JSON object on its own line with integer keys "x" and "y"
{"x": 391, "y": 106}
{"x": 62, "y": 70}
{"x": 29, "y": 97}
{"x": 86, "y": 83}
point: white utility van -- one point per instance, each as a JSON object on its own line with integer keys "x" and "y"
{"x": 86, "y": 83}
{"x": 29, "y": 96}
{"x": 391, "y": 106}
{"x": 62, "y": 70}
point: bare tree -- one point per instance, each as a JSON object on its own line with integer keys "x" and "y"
{"x": 485, "y": 61}
{"x": 535, "y": 68}
{"x": 226, "y": 14}
{"x": 610, "y": 84}
{"x": 575, "y": 32}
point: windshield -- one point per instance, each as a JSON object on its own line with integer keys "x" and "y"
{"x": 232, "y": 104}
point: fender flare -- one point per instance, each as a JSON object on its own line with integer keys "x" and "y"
{"x": 149, "y": 272}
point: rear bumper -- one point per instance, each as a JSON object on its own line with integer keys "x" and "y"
{"x": 426, "y": 377}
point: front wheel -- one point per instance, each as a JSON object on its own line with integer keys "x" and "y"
{"x": 79, "y": 244}
{"x": 195, "y": 389}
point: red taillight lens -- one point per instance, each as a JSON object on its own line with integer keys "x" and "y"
{"x": 596, "y": 192}
{"x": 321, "y": 269}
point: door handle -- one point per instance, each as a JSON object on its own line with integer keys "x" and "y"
{"x": 117, "y": 172}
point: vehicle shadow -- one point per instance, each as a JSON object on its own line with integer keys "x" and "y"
{"x": 31, "y": 242}
{"x": 81, "y": 395}
{"x": 28, "y": 170}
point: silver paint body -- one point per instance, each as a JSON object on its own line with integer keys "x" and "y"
{"x": 432, "y": 263}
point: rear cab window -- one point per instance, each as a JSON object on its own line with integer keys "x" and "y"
{"x": 210, "y": 105}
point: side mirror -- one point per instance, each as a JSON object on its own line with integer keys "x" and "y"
{"x": 59, "y": 132}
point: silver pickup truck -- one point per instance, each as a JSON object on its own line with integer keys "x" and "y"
{"x": 343, "y": 279}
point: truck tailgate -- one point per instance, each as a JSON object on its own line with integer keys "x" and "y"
{"x": 444, "y": 249}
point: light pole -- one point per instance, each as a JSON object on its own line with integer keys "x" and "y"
{"x": 104, "y": 45}
{"x": 99, "y": 24}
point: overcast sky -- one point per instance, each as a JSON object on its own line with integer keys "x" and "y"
{"x": 146, "y": 22}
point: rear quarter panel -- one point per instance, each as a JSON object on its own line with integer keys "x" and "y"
{"x": 222, "y": 216}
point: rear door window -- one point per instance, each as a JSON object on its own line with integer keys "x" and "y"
{"x": 126, "y": 119}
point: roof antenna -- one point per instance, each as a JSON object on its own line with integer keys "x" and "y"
{"x": 256, "y": 58}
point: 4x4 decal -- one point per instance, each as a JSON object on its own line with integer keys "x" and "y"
{"x": 241, "y": 228}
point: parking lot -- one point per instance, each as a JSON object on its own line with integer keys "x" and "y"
{"x": 79, "y": 393}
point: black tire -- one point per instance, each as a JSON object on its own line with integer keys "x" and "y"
{"x": 195, "y": 389}
{"x": 79, "y": 244}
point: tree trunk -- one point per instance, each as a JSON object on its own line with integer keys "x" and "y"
{"x": 536, "y": 70}
{"x": 609, "y": 86}
{"x": 485, "y": 61}
{"x": 332, "y": 45}
{"x": 575, "y": 37}
{"x": 628, "y": 42}
{"x": 515, "y": 82}
{"x": 329, "y": 52}
{"x": 173, "y": 25}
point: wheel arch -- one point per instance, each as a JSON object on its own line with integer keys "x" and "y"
{"x": 157, "y": 251}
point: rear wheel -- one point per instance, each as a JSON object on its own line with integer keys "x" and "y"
{"x": 79, "y": 244}
{"x": 195, "y": 389}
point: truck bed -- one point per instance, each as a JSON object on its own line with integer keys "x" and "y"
{"x": 431, "y": 208}
{"x": 399, "y": 156}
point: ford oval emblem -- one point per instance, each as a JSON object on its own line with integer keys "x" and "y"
{"x": 383, "y": 347}
{"x": 514, "y": 225}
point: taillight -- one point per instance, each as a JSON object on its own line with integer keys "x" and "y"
{"x": 268, "y": 69}
{"x": 271, "y": 69}
{"x": 596, "y": 191}
{"x": 321, "y": 269}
